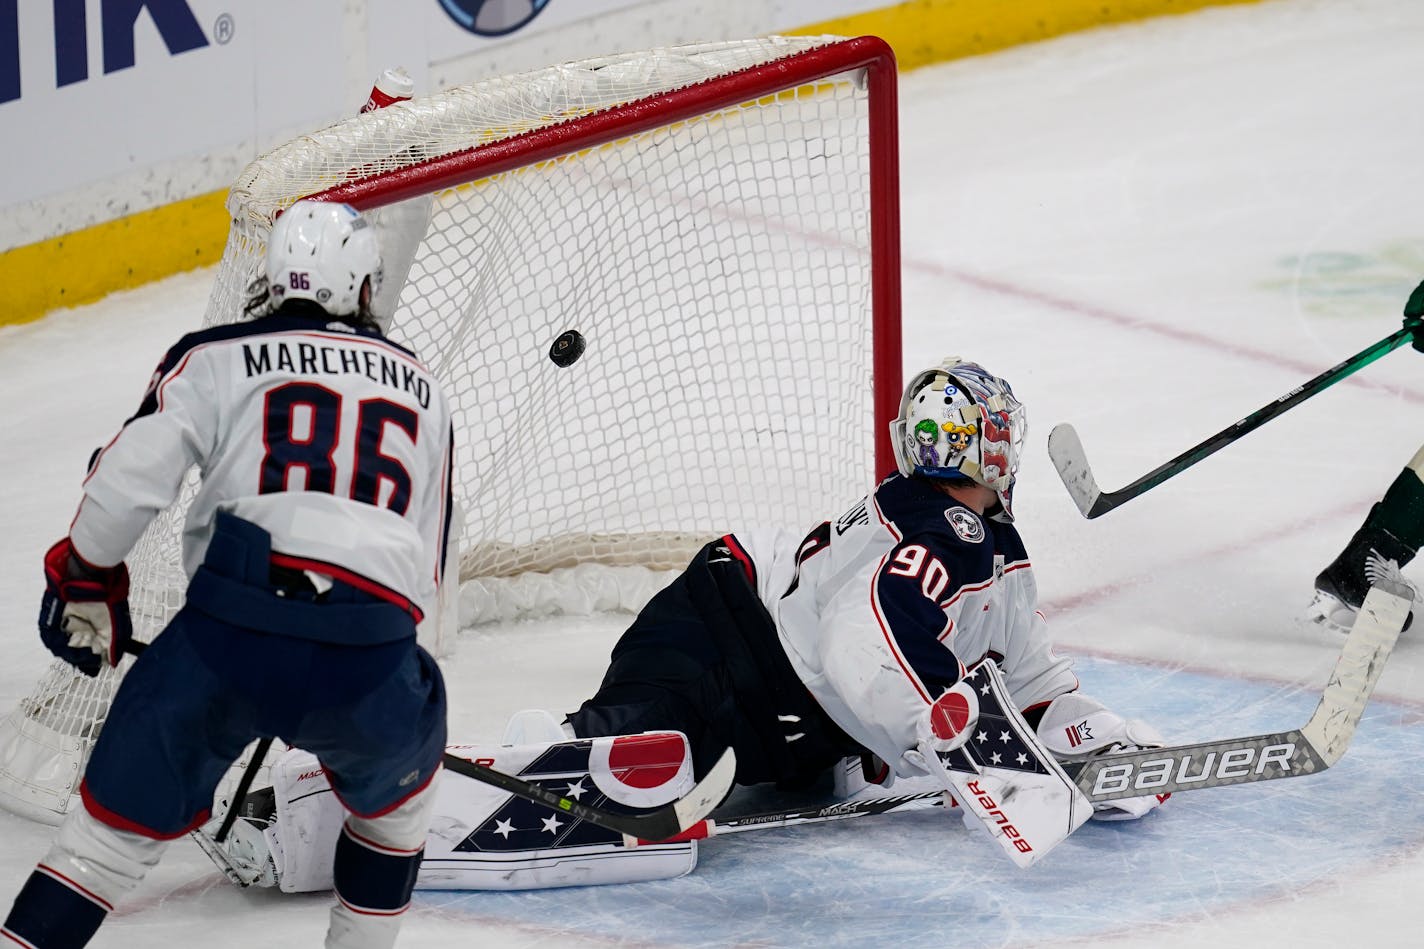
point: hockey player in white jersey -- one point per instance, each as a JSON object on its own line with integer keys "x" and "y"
{"x": 855, "y": 639}
{"x": 313, "y": 547}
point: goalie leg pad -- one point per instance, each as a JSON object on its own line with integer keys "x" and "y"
{"x": 483, "y": 838}
{"x": 1007, "y": 783}
{"x": 307, "y": 822}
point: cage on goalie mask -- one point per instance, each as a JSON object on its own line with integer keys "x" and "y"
{"x": 956, "y": 423}
{"x": 323, "y": 252}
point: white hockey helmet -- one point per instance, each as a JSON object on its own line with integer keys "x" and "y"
{"x": 323, "y": 252}
{"x": 959, "y": 423}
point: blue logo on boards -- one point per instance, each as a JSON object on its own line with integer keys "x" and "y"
{"x": 492, "y": 17}
{"x": 174, "y": 20}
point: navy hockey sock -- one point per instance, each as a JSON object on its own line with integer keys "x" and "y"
{"x": 53, "y": 912}
{"x": 371, "y": 879}
{"x": 1401, "y": 512}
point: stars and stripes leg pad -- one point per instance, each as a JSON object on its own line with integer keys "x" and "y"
{"x": 506, "y": 842}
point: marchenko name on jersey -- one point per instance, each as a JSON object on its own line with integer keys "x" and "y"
{"x": 311, "y": 359}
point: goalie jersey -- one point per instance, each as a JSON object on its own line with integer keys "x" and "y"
{"x": 882, "y": 610}
{"x": 289, "y": 418}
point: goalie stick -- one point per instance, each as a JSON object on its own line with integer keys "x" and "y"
{"x": 1310, "y": 749}
{"x": 1315, "y": 746}
{"x": 1066, "y": 449}
{"x": 840, "y": 810}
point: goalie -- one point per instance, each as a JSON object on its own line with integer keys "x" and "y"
{"x": 877, "y": 637}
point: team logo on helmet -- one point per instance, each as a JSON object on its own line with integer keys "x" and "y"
{"x": 966, "y": 524}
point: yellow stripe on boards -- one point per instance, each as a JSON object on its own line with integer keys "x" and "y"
{"x": 88, "y": 264}
{"x": 932, "y": 31}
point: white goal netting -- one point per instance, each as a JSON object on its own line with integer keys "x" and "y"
{"x": 712, "y": 219}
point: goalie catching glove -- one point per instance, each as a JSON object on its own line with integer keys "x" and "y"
{"x": 1078, "y": 727}
{"x": 84, "y": 615}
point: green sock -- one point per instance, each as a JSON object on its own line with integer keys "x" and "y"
{"x": 1401, "y": 510}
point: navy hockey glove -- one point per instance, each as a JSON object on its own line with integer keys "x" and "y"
{"x": 84, "y": 615}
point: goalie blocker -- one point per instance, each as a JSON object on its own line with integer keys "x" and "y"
{"x": 481, "y": 837}
{"x": 1008, "y": 784}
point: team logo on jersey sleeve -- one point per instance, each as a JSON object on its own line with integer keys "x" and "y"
{"x": 966, "y": 524}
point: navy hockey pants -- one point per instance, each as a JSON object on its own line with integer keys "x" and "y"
{"x": 374, "y": 714}
{"x": 703, "y": 658}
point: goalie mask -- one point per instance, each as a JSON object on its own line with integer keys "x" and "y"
{"x": 323, "y": 252}
{"x": 959, "y": 423}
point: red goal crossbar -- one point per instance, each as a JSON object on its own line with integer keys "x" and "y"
{"x": 869, "y": 53}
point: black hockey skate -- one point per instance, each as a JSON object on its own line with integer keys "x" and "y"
{"x": 1341, "y": 587}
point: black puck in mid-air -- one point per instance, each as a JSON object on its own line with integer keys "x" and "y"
{"x": 567, "y": 348}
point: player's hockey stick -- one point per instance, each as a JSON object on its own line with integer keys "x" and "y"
{"x": 1066, "y": 449}
{"x": 1310, "y": 749}
{"x": 654, "y": 826}
{"x": 667, "y": 821}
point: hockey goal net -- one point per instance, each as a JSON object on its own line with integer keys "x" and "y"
{"x": 719, "y": 222}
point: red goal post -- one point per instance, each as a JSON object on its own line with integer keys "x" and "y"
{"x": 721, "y": 223}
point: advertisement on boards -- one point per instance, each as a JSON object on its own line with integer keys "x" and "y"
{"x": 90, "y": 89}
{"x": 108, "y": 107}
